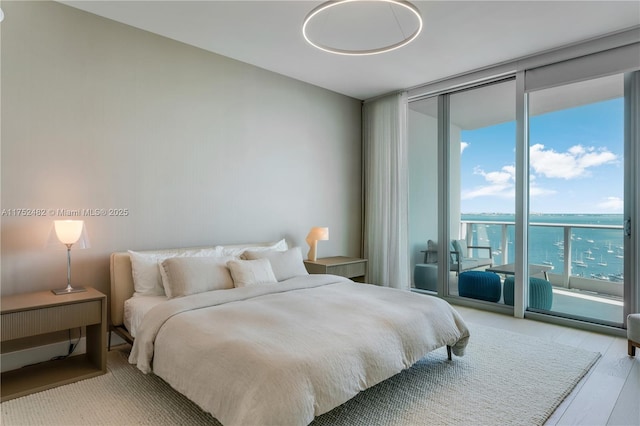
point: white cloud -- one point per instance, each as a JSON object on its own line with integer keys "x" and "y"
{"x": 500, "y": 184}
{"x": 612, "y": 204}
{"x": 537, "y": 191}
{"x": 573, "y": 163}
{"x": 489, "y": 191}
{"x": 568, "y": 165}
{"x": 463, "y": 146}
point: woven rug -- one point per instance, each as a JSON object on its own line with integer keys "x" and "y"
{"x": 504, "y": 379}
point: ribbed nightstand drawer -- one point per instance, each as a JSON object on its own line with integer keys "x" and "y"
{"x": 348, "y": 267}
{"x": 46, "y": 320}
{"x": 348, "y": 270}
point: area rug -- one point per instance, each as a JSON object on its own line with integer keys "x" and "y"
{"x": 504, "y": 379}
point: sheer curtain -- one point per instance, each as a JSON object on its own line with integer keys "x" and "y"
{"x": 386, "y": 191}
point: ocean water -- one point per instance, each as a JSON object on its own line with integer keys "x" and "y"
{"x": 595, "y": 253}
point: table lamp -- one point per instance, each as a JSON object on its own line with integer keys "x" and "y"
{"x": 70, "y": 233}
{"x": 317, "y": 233}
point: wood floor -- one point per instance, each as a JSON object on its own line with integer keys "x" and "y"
{"x": 608, "y": 395}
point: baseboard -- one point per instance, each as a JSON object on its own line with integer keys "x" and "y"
{"x": 18, "y": 359}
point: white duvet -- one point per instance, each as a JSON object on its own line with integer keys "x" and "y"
{"x": 283, "y": 353}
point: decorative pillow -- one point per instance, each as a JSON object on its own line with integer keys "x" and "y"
{"x": 285, "y": 264}
{"x": 237, "y": 250}
{"x": 189, "y": 275}
{"x": 461, "y": 247}
{"x": 432, "y": 252}
{"x": 251, "y": 272}
{"x": 146, "y": 273}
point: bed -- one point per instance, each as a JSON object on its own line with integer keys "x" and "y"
{"x": 278, "y": 351}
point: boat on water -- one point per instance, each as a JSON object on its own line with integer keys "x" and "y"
{"x": 589, "y": 255}
{"x": 602, "y": 262}
{"x": 579, "y": 262}
{"x": 616, "y": 277}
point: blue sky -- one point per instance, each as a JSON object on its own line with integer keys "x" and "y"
{"x": 576, "y": 158}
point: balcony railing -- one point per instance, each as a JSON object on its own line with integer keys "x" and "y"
{"x": 583, "y": 256}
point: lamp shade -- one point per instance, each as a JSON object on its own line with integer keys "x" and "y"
{"x": 69, "y": 232}
{"x": 318, "y": 233}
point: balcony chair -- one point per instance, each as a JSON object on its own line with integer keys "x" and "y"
{"x": 460, "y": 260}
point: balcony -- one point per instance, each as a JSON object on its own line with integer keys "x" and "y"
{"x": 586, "y": 261}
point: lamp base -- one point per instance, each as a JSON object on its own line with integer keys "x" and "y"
{"x": 68, "y": 290}
{"x": 313, "y": 245}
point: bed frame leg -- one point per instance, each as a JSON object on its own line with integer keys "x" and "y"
{"x": 449, "y": 352}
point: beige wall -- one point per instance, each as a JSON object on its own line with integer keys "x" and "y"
{"x": 200, "y": 149}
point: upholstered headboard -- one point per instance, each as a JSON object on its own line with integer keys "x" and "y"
{"x": 121, "y": 285}
{"x": 122, "y": 277}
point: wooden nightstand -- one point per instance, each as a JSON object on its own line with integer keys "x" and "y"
{"x": 348, "y": 267}
{"x": 43, "y": 312}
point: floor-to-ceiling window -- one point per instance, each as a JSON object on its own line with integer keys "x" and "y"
{"x": 532, "y": 165}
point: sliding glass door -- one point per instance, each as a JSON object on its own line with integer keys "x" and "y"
{"x": 576, "y": 153}
{"x": 481, "y": 187}
{"x": 424, "y": 170}
{"x": 540, "y": 169}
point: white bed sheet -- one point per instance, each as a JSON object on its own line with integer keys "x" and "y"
{"x": 280, "y": 354}
{"x": 136, "y": 308}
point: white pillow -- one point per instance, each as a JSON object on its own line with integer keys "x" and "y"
{"x": 190, "y": 275}
{"x": 285, "y": 264}
{"x": 146, "y": 273}
{"x": 237, "y": 249}
{"x": 251, "y": 272}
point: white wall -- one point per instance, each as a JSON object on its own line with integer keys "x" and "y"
{"x": 200, "y": 149}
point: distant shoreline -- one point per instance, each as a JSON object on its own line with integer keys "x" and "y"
{"x": 596, "y": 241}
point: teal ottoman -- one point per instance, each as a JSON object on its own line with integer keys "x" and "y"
{"x": 479, "y": 285}
{"x": 540, "y": 293}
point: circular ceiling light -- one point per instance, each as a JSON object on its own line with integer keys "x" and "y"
{"x": 362, "y": 27}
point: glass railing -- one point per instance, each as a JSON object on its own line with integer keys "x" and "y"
{"x": 585, "y": 257}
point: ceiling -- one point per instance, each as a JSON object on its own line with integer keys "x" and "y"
{"x": 458, "y": 36}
